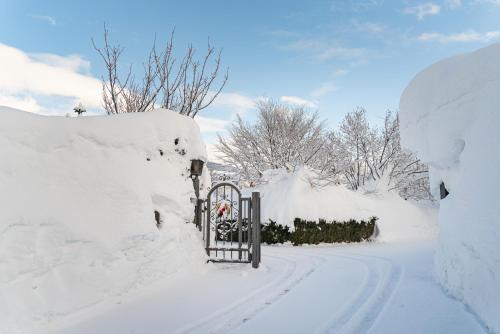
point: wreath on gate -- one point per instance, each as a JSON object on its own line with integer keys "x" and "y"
{"x": 223, "y": 209}
{"x": 224, "y": 224}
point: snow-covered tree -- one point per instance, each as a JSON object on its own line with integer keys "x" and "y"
{"x": 283, "y": 136}
{"x": 375, "y": 154}
{"x": 355, "y": 137}
{"x": 357, "y": 153}
{"x": 79, "y": 109}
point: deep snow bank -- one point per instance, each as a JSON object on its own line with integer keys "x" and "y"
{"x": 77, "y": 199}
{"x": 450, "y": 116}
{"x": 287, "y": 196}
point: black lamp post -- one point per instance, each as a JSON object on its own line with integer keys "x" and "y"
{"x": 196, "y": 171}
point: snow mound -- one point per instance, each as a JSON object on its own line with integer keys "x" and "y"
{"x": 287, "y": 196}
{"x": 78, "y": 196}
{"x": 450, "y": 117}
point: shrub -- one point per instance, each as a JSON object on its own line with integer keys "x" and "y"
{"x": 273, "y": 233}
{"x": 312, "y": 232}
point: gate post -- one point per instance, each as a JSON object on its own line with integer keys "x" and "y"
{"x": 256, "y": 229}
{"x": 207, "y": 228}
{"x": 240, "y": 227}
{"x": 197, "y": 213}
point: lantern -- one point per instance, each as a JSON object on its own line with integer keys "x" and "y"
{"x": 197, "y": 167}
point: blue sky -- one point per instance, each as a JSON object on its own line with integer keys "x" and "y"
{"x": 329, "y": 55}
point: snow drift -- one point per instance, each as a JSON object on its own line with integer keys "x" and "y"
{"x": 450, "y": 117}
{"x": 77, "y": 198}
{"x": 287, "y": 196}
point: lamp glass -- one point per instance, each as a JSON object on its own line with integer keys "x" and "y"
{"x": 197, "y": 167}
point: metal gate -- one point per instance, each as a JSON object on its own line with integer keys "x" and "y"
{"x": 230, "y": 224}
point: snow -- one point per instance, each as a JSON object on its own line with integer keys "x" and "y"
{"x": 77, "y": 222}
{"x": 286, "y": 196}
{"x": 80, "y": 251}
{"x": 365, "y": 288}
{"x": 450, "y": 118}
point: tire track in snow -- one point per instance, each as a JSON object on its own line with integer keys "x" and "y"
{"x": 239, "y": 312}
{"x": 270, "y": 300}
{"x": 360, "y": 314}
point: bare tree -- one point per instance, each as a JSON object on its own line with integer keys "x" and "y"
{"x": 185, "y": 86}
{"x": 112, "y": 86}
{"x": 354, "y": 139}
{"x": 282, "y": 137}
{"x": 195, "y": 93}
{"x": 287, "y": 137}
{"x": 410, "y": 177}
{"x": 371, "y": 154}
{"x": 329, "y": 162}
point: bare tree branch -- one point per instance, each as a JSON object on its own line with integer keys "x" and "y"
{"x": 185, "y": 86}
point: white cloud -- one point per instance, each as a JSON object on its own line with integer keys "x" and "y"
{"x": 466, "y": 36}
{"x": 369, "y": 27}
{"x": 235, "y": 102}
{"x": 45, "y": 18}
{"x": 298, "y": 101}
{"x": 26, "y": 103}
{"x": 454, "y": 3}
{"x": 339, "y": 72}
{"x": 281, "y": 33}
{"x": 212, "y": 152}
{"x": 304, "y": 45}
{"x": 321, "y": 50}
{"x": 228, "y": 104}
{"x": 423, "y": 10}
{"x": 52, "y": 84}
{"x": 335, "y": 52}
{"x": 494, "y": 2}
{"x": 208, "y": 124}
{"x": 47, "y": 75}
{"x": 75, "y": 63}
{"x": 324, "y": 89}
{"x": 355, "y": 6}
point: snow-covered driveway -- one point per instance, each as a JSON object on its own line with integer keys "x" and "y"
{"x": 375, "y": 288}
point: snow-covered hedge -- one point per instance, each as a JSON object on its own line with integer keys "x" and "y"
{"x": 286, "y": 196}
{"x": 316, "y": 232}
{"x": 77, "y": 198}
{"x": 450, "y": 117}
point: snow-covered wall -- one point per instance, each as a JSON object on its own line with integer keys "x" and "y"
{"x": 450, "y": 116}
{"x": 77, "y": 202}
{"x": 290, "y": 195}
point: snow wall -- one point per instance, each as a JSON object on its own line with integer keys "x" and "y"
{"x": 450, "y": 116}
{"x": 77, "y": 199}
{"x": 286, "y": 196}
